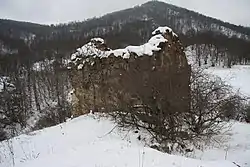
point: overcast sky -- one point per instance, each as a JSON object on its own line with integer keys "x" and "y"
{"x": 56, "y": 11}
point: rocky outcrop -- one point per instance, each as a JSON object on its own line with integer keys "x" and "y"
{"x": 107, "y": 80}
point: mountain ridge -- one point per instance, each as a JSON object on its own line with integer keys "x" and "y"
{"x": 116, "y": 11}
{"x": 147, "y": 4}
{"x": 123, "y": 28}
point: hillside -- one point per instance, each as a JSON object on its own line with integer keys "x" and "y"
{"x": 127, "y": 27}
{"x": 92, "y": 141}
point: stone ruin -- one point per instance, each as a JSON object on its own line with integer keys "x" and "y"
{"x": 105, "y": 80}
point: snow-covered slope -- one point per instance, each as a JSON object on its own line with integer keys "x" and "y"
{"x": 90, "y": 142}
{"x": 238, "y": 77}
{"x": 234, "y": 146}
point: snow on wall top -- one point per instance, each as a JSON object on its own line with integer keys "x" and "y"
{"x": 96, "y": 48}
{"x": 164, "y": 30}
{"x": 100, "y": 40}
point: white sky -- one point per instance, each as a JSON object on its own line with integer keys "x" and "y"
{"x": 56, "y": 11}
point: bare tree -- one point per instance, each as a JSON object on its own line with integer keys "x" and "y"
{"x": 212, "y": 102}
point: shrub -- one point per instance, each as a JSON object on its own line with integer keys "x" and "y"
{"x": 212, "y": 102}
{"x": 247, "y": 114}
{"x": 53, "y": 116}
{"x": 3, "y": 135}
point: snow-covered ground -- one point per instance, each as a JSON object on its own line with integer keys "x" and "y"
{"x": 90, "y": 142}
{"x": 234, "y": 146}
{"x": 238, "y": 76}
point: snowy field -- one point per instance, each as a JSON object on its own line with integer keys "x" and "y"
{"x": 235, "y": 146}
{"x": 90, "y": 142}
{"x": 238, "y": 76}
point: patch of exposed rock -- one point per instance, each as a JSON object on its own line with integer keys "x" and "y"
{"x": 108, "y": 80}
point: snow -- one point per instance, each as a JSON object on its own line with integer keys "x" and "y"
{"x": 100, "y": 40}
{"x": 91, "y": 142}
{"x": 163, "y": 30}
{"x": 235, "y": 148}
{"x": 238, "y": 77}
{"x": 73, "y": 56}
{"x": 91, "y": 49}
{"x": 80, "y": 66}
{"x": 146, "y": 49}
{"x": 121, "y": 52}
{"x": 155, "y": 40}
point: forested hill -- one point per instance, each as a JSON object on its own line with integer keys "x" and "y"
{"x": 33, "y": 42}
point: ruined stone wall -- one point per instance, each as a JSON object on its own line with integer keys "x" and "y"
{"x": 109, "y": 82}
